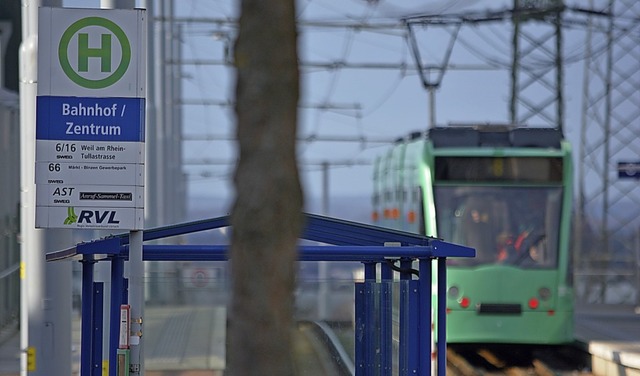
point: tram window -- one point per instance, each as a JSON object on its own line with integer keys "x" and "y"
{"x": 506, "y": 225}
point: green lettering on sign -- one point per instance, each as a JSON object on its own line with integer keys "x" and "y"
{"x": 104, "y": 53}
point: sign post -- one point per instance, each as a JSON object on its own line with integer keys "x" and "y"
{"x": 90, "y": 133}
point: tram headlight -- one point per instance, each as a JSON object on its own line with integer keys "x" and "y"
{"x": 454, "y": 291}
{"x": 544, "y": 293}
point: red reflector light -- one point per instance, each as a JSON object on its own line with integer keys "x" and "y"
{"x": 465, "y": 302}
{"x": 448, "y": 310}
{"x": 551, "y": 312}
{"x": 533, "y": 303}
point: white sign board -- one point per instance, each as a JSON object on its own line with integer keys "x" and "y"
{"x": 90, "y": 120}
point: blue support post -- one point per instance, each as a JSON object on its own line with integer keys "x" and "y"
{"x": 413, "y": 324}
{"x": 97, "y": 329}
{"x": 369, "y": 339}
{"x": 371, "y": 334}
{"x": 369, "y": 271}
{"x": 359, "y": 330}
{"x": 424, "y": 327}
{"x": 442, "y": 317}
{"x": 117, "y": 298}
{"x": 87, "y": 315}
{"x": 371, "y": 321}
{"x": 386, "y": 331}
{"x": 125, "y": 291}
{"x": 403, "y": 324}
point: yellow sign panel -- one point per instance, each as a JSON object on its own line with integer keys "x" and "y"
{"x": 31, "y": 359}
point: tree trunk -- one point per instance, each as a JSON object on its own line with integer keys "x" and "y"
{"x": 267, "y": 213}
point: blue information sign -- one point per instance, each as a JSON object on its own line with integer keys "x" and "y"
{"x": 90, "y": 119}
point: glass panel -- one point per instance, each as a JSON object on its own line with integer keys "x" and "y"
{"x": 506, "y": 225}
{"x": 185, "y": 319}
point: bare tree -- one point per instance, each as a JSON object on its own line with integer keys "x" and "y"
{"x": 267, "y": 213}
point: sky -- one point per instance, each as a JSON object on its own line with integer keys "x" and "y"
{"x": 360, "y": 90}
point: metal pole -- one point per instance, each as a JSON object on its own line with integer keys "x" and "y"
{"x": 515, "y": 65}
{"x": 442, "y": 317}
{"x": 559, "y": 72}
{"x": 57, "y": 308}
{"x": 117, "y": 287}
{"x": 136, "y": 266}
{"x": 403, "y": 348}
{"x": 325, "y": 188}
{"x": 31, "y": 267}
{"x": 606, "y": 154}
{"x": 637, "y": 309}
{"x": 580, "y": 254}
{"x": 386, "y": 327}
{"x": 323, "y": 288}
{"x": 87, "y": 315}
{"x": 136, "y": 300}
{"x": 45, "y": 317}
{"x": 425, "y": 315}
{"x": 432, "y": 106}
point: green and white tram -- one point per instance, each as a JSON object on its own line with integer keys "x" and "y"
{"x": 505, "y": 191}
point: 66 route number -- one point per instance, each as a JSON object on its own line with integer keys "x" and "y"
{"x": 64, "y": 147}
{"x": 54, "y": 167}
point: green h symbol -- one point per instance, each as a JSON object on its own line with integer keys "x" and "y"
{"x": 85, "y": 52}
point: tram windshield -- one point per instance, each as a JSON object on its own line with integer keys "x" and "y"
{"x": 515, "y": 226}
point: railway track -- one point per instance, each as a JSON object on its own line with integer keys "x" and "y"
{"x": 319, "y": 352}
{"x": 516, "y": 360}
{"x": 462, "y": 360}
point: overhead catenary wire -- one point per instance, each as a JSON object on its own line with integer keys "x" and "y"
{"x": 372, "y": 20}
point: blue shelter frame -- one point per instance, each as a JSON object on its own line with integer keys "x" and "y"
{"x": 345, "y": 241}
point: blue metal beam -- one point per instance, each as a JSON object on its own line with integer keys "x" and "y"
{"x": 307, "y": 253}
{"x": 443, "y": 249}
{"x": 317, "y": 228}
{"x": 340, "y": 232}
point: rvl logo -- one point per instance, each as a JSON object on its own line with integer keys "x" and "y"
{"x": 91, "y": 217}
{"x": 75, "y": 53}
